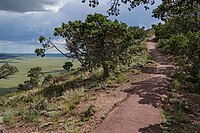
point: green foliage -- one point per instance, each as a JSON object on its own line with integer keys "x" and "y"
{"x": 181, "y": 117}
{"x": 162, "y": 31}
{"x": 76, "y": 80}
{"x": 151, "y": 58}
{"x": 72, "y": 99}
{"x": 137, "y": 32}
{"x": 7, "y": 70}
{"x": 115, "y": 4}
{"x": 38, "y": 104}
{"x": 48, "y": 80}
{"x": 40, "y": 52}
{"x": 42, "y": 39}
{"x": 121, "y": 78}
{"x": 21, "y": 112}
{"x": 68, "y": 66}
{"x": 35, "y": 74}
{"x": 33, "y": 116}
{"x": 69, "y": 127}
{"x": 173, "y": 8}
{"x": 88, "y": 113}
{"x": 96, "y": 42}
{"x": 1, "y": 119}
{"x": 162, "y": 43}
{"x": 178, "y": 24}
{"x": 177, "y": 44}
{"x": 186, "y": 48}
{"x": 7, "y": 117}
{"x": 177, "y": 6}
{"x": 179, "y": 36}
{"x": 176, "y": 85}
{"x": 53, "y": 91}
{"x": 178, "y": 113}
{"x": 180, "y": 106}
{"x": 52, "y": 113}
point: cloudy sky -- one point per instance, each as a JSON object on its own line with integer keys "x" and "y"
{"x": 23, "y": 21}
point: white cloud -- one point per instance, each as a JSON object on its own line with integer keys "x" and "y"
{"x": 60, "y": 41}
{"x": 56, "y": 7}
{"x": 23, "y": 20}
{"x": 27, "y": 46}
{"x": 16, "y": 47}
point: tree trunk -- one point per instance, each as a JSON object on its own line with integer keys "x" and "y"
{"x": 105, "y": 71}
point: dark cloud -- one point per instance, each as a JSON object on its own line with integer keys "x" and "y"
{"x": 20, "y": 31}
{"x": 21, "y": 6}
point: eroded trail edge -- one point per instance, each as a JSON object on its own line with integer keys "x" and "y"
{"x": 141, "y": 111}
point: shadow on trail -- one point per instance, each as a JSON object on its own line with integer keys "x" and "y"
{"x": 153, "y": 90}
{"x": 152, "y": 40}
{"x": 162, "y": 70}
{"x": 160, "y": 58}
{"x": 150, "y": 91}
{"x": 151, "y": 129}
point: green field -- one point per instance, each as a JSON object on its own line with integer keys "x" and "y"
{"x": 50, "y": 65}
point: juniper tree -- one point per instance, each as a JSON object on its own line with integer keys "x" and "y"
{"x": 7, "y": 70}
{"x": 96, "y": 42}
{"x": 167, "y": 5}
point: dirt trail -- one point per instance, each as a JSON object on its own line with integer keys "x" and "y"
{"x": 141, "y": 111}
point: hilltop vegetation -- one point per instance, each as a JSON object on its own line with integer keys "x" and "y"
{"x": 96, "y": 42}
{"x": 179, "y": 38}
{"x": 70, "y": 102}
{"x": 109, "y": 52}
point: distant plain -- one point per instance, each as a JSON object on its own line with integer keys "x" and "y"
{"x": 50, "y": 65}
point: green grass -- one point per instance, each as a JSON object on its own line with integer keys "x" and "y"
{"x": 59, "y": 102}
{"x": 50, "y": 65}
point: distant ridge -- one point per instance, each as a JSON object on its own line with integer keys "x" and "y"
{"x": 4, "y": 56}
{"x": 7, "y": 56}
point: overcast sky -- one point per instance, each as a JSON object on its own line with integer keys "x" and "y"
{"x": 23, "y": 21}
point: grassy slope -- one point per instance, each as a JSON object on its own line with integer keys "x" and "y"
{"x": 49, "y": 65}
{"x": 64, "y": 103}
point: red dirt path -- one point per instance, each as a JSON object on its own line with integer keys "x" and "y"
{"x": 141, "y": 111}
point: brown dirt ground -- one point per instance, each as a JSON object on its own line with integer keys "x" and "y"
{"x": 134, "y": 106}
{"x": 141, "y": 111}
